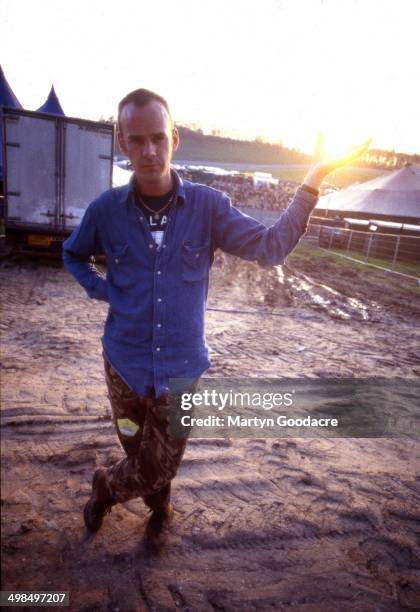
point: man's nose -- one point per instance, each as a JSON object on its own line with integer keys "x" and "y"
{"x": 149, "y": 149}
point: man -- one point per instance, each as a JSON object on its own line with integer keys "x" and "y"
{"x": 159, "y": 235}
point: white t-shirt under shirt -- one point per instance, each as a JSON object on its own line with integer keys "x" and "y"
{"x": 155, "y": 209}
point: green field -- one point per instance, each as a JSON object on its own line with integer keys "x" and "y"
{"x": 341, "y": 178}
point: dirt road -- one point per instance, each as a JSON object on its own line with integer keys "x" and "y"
{"x": 274, "y": 524}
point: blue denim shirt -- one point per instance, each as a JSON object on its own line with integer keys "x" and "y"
{"x": 157, "y": 296}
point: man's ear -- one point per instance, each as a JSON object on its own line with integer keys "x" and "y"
{"x": 121, "y": 143}
{"x": 175, "y": 138}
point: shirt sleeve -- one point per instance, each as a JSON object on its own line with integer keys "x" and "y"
{"x": 78, "y": 249}
{"x": 241, "y": 235}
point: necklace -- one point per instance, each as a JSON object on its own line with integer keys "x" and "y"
{"x": 156, "y": 213}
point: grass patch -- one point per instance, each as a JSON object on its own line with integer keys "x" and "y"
{"x": 306, "y": 254}
{"x": 404, "y": 267}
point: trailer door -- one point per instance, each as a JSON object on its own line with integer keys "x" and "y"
{"x": 87, "y": 168}
{"x": 30, "y": 170}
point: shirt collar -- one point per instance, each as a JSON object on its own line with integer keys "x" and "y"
{"x": 179, "y": 187}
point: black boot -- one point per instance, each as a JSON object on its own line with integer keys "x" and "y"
{"x": 100, "y": 501}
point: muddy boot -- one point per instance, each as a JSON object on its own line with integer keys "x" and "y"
{"x": 100, "y": 501}
{"x": 159, "y": 519}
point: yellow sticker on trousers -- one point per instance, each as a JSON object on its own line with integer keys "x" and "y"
{"x": 127, "y": 428}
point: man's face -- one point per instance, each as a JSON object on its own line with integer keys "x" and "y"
{"x": 148, "y": 138}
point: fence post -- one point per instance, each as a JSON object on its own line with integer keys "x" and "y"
{"x": 397, "y": 246}
{"x": 349, "y": 240}
{"x": 369, "y": 247}
{"x": 331, "y": 237}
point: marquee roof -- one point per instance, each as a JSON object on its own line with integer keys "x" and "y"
{"x": 392, "y": 195}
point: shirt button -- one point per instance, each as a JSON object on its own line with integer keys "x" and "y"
{"x": 197, "y": 255}
{"x": 150, "y": 246}
{"x": 159, "y": 299}
{"x": 117, "y": 261}
{"x": 159, "y": 272}
{"x": 158, "y": 348}
{"x": 158, "y": 325}
{"x": 163, "y": 246}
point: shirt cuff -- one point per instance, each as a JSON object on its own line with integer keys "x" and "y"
{"x": 314, "y": 192}
{"x": 100, "y": 290}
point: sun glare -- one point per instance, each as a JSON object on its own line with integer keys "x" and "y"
{"x": 337, "y": 145}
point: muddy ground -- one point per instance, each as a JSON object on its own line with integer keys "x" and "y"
{"x": 260, "y": 524}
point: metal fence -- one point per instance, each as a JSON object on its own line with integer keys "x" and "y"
{"x": 384, "y": 250}
{"x": 368, "y": 245}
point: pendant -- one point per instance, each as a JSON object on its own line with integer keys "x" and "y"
{"x": 156, "y": 217}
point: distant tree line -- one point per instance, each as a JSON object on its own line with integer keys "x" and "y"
{"x": 376, "y": 158}
{"x": 214, "y": 147}
{"x": 195, "y": 145}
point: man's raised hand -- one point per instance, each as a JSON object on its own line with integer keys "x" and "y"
{"x": 321, "y": 169}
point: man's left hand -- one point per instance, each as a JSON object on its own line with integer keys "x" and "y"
{"x": 319, "y": 171}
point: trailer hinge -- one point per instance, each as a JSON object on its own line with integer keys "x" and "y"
{"x": 70, "y": 216}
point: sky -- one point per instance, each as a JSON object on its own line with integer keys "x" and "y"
{"x": 283, "y": 70}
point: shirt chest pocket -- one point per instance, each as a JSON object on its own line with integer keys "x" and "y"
{"x": 195, "y": 262}
{"x": 121, "y": 269}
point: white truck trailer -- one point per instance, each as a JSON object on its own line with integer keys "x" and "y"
{"x": 54, "y": 166}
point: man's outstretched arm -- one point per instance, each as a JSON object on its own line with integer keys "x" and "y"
{"x": 77, "y": 252}
{"x": 243, "y": 236}
{"x": 239, "y": 234}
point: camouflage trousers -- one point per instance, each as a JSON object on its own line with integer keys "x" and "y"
{"x": 153, "y": 456}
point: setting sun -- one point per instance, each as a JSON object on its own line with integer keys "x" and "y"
{"x": 337, "y": 145}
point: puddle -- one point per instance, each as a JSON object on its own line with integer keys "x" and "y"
{"x": 322, "y": 297}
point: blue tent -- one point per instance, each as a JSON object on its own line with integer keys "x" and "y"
{"x": 52, "y": 104}
{"x": 7, "y": 98}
